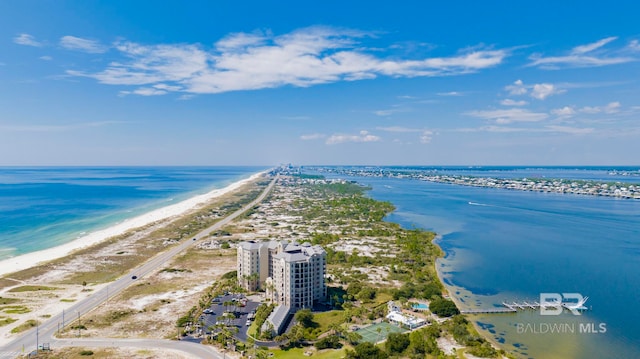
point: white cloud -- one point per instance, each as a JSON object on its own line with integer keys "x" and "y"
{"x": 510, "y": 102}
{"x": 46, "y": 58}
{"x": 588, "y": 55}
{"x": 542, "y": 91}
{"x": 363, "y": 136}
{"x": 634, "y": 45}
{"x": 240, "y": 41}
{"x": 564, "y": 112}
{"x": 507, "y": 116}
{"x": 517, "y": 88}
{"x": 538, "y": 91}
{"x": 27, "y": 40}
{"x": 451, "y": 93}
{"x": 426, "y": 137}
{"x": 582, "y": 49}
{"x": 547, "y": 129}
{"x": 145, "y": 91}
{"x": 610, "y": 108}
{"x": 167, "y": 87}
{"x": 84, "y": 45}
{"x": 302, "y": 58}
{"x": 313, "y": 136}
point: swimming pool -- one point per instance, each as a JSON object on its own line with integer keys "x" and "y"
{"x": 420, "y": 306}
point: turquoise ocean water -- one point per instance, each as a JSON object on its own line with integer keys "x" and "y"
{"x": 43, "y": 207}
{"x": 513, "y": 245}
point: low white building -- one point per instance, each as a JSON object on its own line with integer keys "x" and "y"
{"x": 404, "y": 320}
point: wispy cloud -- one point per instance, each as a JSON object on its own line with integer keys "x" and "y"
{"x": 610, "y": 108}
{"x": 542, "y": 91}
{"x": 450, "y": 93}
{"x": 564, "y": 111}
{"x": 27, "y": 40}
{"x": 583, "y": 49}
{"x": 507, "y": 116}
{"x": 389, "y": 112}
{"x": 305, "y": 57}
{"x": 634, "y": 45}
{"x": 426, "y": 137}
{"x": 363, "y": 136}
{"x": 552, "y": 129}
{"x": 510, "y": 102}
{"x": 145, "y": 91}
{"x": 46, "y": 58}
{"x": 589, "y": 55}
{"x": 84, "y": 45}
{"x": 538, "y": 91}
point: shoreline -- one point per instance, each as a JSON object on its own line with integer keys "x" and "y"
{"x": 32, "y": 259}
{"x": 459, "y": 305}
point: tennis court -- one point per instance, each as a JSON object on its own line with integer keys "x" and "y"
{"x": 370, "y": 334}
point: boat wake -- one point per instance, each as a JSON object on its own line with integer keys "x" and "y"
{"x": 480, "y": 204}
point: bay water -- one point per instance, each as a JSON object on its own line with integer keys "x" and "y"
{"x": 507, "y": 245}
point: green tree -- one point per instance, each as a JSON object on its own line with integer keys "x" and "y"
{"x": 305, "y": 317}
{"x": 366, "y": 350}
{"x": 397, "y": 343}
{"x": 443, "y": 307}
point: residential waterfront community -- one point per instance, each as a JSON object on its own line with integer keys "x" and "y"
{"x": 569, "y": 186}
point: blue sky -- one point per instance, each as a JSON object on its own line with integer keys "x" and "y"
{"x": 216, "y": 83}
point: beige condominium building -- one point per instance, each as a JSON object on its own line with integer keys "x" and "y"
{"x": 292, "y": 274}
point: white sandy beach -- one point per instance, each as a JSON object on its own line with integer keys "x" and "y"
{"x": 32, "y": 259}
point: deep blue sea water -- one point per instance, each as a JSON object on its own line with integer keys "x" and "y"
{"x": 43, "y": 207}
{"x": 513, "y": 245}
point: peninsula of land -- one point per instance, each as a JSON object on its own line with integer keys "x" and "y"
{"x": 580, "y": 187}
{"x": 372, "y": 265}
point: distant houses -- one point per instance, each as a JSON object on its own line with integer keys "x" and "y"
{"x": 292, "y": 275}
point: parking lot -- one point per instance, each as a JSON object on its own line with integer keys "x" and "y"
{"x": 237, "y": 304}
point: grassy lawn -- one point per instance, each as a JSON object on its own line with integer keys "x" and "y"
{"x": 325, "y": 319}
{"x": 253, "y": 329}
{"x": 296, "y": 353}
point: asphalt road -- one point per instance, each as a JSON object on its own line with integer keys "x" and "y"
{"x": 45, "y": 332}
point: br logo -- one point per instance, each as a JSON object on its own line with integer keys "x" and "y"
{"x": 554, "y": 303}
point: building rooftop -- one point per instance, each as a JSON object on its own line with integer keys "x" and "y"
{"x": 278, "y": 317}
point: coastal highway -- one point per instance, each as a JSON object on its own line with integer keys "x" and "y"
{"x": 45, "y": 332}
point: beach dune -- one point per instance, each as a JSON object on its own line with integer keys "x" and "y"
{"x": 33, "y": 259}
